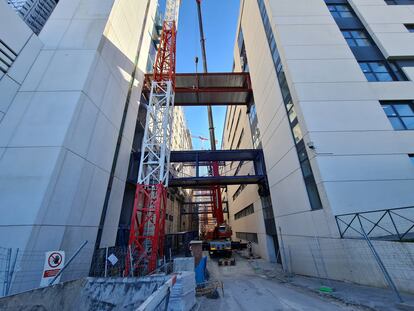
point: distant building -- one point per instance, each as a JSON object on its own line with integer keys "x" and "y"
{"x": 34, "y": 12}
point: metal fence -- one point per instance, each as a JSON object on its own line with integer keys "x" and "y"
{"x": 8, "y": 257}
{"x": 389, "y": 224}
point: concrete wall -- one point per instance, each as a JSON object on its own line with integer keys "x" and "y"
{"x": 360, "y": 163}
{"x": 58, "y": 132}
{"x": 87, "y": 294}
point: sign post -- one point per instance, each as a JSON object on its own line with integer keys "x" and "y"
{"x": 54, "y": 262}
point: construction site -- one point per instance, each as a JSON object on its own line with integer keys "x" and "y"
{"x": 206, "y": 155}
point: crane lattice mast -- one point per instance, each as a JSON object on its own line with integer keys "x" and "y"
{"x": 146, "y": 239}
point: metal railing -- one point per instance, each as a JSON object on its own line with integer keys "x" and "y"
{"x": 395, "y": 224}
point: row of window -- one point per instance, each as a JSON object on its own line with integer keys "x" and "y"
{"x": 375, "y": 70}
{"x": 7, "y": 57}
{"x": 244, "y": 212}
{"x": 247, "y": 236}
{"x": 382, "y": 71}
{"x": 309, "y": 179}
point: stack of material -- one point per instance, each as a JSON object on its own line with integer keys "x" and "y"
{"x": 182, "y": 297}
{"x": 183, "y": 264}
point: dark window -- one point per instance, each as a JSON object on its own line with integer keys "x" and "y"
{"x": 382, "y": 71}
{"x": 410, "y": 27}
{"x": 399, "y": 2}
{"x": 411, "y": 157}
{"x": 247, "y": 236}
{"x": 400, "y": 114}
{"x": 240, "y": 139}
{"x": 254, "y": 126}
{"x": 244, "y": 212}
{"x": 340, "y": 10}
{"x": 356, "y": 37}
{"x": 235, "y": 129}
{"x": 238, "y": 168}
{"x": 238, "y": 191}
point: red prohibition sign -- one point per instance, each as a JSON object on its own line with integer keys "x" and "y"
{"x": 54, "y": 260}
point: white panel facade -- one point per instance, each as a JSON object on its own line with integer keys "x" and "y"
{"x": 59, "y": 125}
{"x": 359, "y": 161}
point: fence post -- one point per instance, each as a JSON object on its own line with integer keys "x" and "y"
{"x": 381, "y": 264}
{"x": 69, "y": 261}
{"x": 106, "y": 262}
{"x": 284, "y": 261}
{"x": 11, "y": 272}
{"x": 7, "y": 271}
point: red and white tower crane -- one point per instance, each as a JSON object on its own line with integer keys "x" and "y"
{"x": 146, "y": 239}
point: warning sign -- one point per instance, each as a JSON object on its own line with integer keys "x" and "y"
{"x": 54, "y": 262}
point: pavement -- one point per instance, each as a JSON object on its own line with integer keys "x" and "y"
{"x": 260, "y": 285}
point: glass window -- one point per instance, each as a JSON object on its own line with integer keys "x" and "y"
{"x": 400, "y": 114}
{"x": 410, "y": 27}
{"x": 297, "y": 133}
{"x": 411, "y": 157}
{"x": 381, "y": 71}
{"x": 292, "y": 114}
{"x": 340, "y": 10}
{"x": 356, "y": 38}
{"x": 404, "y": 110}
{"x": 389, "y": 110}
{"x": 399, "y": 2}
{"x": 306, "y": 168}
{"x": 313, "y": 194}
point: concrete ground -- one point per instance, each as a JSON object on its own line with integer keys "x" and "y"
{"x": 255, "y": 285}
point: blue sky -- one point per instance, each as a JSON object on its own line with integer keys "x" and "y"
{"x": 220, "y": 23}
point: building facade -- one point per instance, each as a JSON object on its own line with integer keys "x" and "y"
{"x": 333, "y": 91}
{"x": 69, "y": 101}
{"x": 34, "y": 12}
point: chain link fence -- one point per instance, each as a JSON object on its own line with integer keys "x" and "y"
{"x": 8, "y": 258}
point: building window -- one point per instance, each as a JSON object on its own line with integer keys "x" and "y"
{"x": 399, "y": 2}
{"x": 356, "y": 38}
{"x": 381, "y": 71}
{"x": 410, "y": 27}
{"x": 340, "y": 10}
{"x": 400, "y": 114}
{"x": 238, "y": 168}
{"x": 235, "y": 130}
{"x": 238, "y": 191}
{"x": 411, "y": 157}
{"x": 313, "y": 195}
{"x": 240, "y": 139}
{"x": 244, "y": 212}
{"x": 247, "y": 236}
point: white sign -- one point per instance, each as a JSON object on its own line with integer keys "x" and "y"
{"x": 54, "y": 262}
{"x": 112, "y": 259}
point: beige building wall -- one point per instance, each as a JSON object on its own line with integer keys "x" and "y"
{"x": 359, "y": 161}
{"x": 60, "y": 117}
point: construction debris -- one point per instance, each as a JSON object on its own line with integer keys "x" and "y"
{"x": 182, "y": 297}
